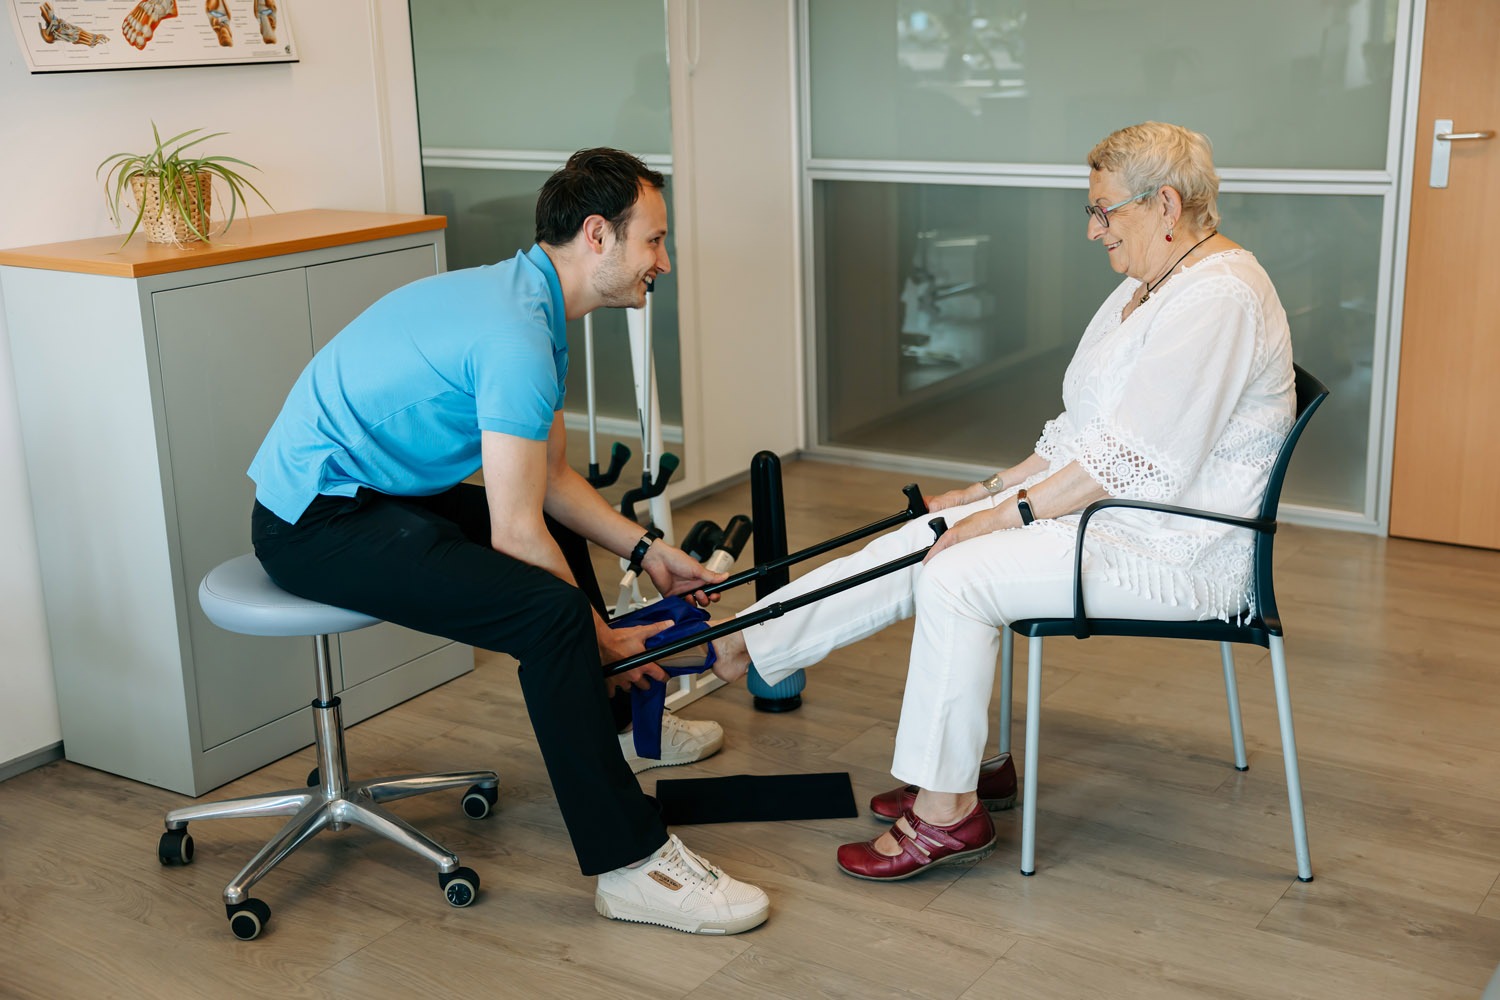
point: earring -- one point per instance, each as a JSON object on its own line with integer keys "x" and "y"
{"x": 1169, "y": 236}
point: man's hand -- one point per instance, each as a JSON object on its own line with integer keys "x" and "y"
{"x": 981, "y": 523}
{"x": 617, "y": 644}
{"x": 956, "y": 498}
{"x": 675, "y": 572}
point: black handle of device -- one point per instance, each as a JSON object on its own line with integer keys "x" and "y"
{"x": 619, "y": 454}
{"x": 649, "y": 487}
{"x": 777, "y": 609}
{"x": 701, "y": 540}
{"x": 915, "y": 507}
{"x": 736, "y": 533}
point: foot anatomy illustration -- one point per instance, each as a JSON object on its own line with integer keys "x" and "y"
{"x": 265, "y": 12}
{"x": 218, "y": 19}
{"x": 140, "y": 24}
{"x": 56, "y": 29}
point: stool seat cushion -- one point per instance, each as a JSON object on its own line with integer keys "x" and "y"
{"x": 238, "y": 596}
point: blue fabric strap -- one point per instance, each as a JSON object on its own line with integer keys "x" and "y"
{"x": 646, "y": 706}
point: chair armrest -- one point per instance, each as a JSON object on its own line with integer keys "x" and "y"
{"x": 1080, "y": 618}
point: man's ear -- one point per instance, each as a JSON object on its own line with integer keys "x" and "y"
{"x": 594, "y": 231}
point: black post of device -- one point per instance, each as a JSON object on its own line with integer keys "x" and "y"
{"x": 768, "y": 514}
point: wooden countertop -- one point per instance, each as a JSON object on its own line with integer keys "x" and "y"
{"x": 249, "y": 238}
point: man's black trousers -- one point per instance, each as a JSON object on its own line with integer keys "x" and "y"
{"x": 426, "y": 563}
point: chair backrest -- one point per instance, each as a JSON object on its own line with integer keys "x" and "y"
{"x": 1310, "y": 395}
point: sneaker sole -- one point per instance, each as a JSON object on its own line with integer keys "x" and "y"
{"x": 993, "y": 805}
{"x": 965, "y": 857}
{"x": 617, "y": 909}
{"x": 639, "y": 764}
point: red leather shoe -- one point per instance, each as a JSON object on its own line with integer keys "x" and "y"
{"x": 970, "y": 839}
{"x": 997, "y": 790}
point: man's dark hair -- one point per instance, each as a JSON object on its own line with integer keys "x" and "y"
{"x": 598, "y": 181}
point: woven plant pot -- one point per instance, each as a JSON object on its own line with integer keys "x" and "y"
{"x": 160, "y": 219}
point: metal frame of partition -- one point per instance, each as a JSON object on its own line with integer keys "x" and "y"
{"x": 1391, "y": 185}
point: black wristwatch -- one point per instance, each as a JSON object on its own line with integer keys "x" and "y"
{"x": 1024, "y": 506}
{"x": 638, "y": 554}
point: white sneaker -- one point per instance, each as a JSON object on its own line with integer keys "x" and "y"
{"x": 682, "y": 742}
{"x": 678, "y": 889}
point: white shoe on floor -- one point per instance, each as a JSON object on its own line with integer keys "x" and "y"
{"x": 682, "y": 742}
{"x": 678, "y": 889}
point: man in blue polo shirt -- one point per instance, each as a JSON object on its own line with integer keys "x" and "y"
{"x": 360, "y": 503}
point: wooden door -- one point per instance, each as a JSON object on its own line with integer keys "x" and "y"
{"x": 1446, "y": 475}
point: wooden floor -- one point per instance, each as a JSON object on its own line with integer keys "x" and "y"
{"x": 1162, "y": 872}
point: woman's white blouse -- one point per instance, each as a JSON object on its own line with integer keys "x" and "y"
{"x": 1185, "y": 402}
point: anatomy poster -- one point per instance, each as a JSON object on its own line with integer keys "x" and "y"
{"x": 60, "y": 36}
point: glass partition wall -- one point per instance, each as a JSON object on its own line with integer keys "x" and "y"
{"x": 950, "y": 275}
{"x": 506, "y": 90}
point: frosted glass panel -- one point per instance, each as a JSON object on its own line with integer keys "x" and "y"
{"x": 947, "y": 314}
{"x": 558, "y": 75}
{"x": 492, "y": 214}
{"x": 1277, "y": 83}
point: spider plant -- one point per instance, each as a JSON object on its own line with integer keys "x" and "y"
{"x": 178, "y": 176}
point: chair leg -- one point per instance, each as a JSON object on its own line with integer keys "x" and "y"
{"x": 1232, "y": 696}
{"x": 299, "y": 830}
{"x": 287, "y": 803}
{"x": 1007, "y": 673}
{"x": 403, "y": 786}
{"x": 1033, "y": 733}
{"x": 1289, "y": 755}
{"x": 375, "y": 819}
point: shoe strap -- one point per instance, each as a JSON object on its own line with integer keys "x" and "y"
{"x": 933, "y": 836}
{"x": 919, "y": 852}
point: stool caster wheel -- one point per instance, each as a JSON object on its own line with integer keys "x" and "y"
{"x": 313, "y": 780}
{"x": 175, "y": 848}
{"x": 478, "y": 800}
{"x": 248, "y": 919}
{"x": 461, "y": 886}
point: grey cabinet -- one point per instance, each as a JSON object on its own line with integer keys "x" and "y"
{"x": 143, "y": 398}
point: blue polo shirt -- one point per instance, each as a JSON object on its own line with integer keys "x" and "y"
{"x": 396, "y": 402}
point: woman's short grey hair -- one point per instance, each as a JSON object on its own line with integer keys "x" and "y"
{"x": 1152, "y": 154}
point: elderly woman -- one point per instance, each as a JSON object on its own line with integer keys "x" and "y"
{"x": 1180, "y": 391}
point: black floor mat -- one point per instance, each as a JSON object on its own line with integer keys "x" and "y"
{"x": 749, "y": 798}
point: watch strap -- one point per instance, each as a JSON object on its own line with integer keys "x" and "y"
{"x": 1024, "y": 506}
{"x": 638, "y": 554}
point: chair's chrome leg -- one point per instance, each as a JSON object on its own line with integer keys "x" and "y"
{"x": 298, "y": 830}
{"x": 1007, "y": 672}
{"x": 402, "y": 786}
{"x": 375, "y": 819}
{"x": 287, "y": 803}
{"x": 1232, "y": 696}
{"x": 1289, "y": 755}
{"x": 1033, "y": 738}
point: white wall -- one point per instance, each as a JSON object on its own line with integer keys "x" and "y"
{"x": 337, "y": 130}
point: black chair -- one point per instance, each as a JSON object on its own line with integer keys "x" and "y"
{"x": 1264, "y": 629}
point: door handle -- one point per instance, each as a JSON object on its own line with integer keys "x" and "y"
{"x": 1442, "y": 138}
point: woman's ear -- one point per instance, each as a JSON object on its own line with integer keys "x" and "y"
{"x": 1171, "y": 205}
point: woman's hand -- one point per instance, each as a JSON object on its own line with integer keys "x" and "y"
{"x": 956, "y": 498}
{"x": 675, "y": 572}
{"x": 979, "y": 523}
{"x": 617, "y": 644}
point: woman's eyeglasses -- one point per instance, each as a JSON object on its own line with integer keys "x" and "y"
{"x": 1102, "y": 214}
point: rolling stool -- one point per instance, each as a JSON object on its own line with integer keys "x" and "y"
{"x": 239, "y": 597}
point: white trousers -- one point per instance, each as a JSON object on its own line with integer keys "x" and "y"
{"x": 961, "y": 600}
